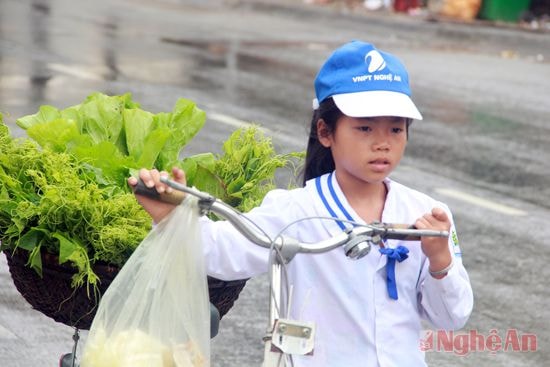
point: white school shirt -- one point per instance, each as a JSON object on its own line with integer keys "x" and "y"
{"x": 358, "y": 324}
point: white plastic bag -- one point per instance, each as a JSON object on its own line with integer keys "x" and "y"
{"x": 156, "y": 312}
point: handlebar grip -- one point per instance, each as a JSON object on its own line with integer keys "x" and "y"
{"x": 397, "y": 231}
{"x": 175, "y": 197}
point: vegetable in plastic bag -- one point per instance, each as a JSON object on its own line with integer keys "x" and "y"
{"x": 156, "y": 312}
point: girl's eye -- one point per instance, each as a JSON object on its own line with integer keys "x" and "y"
{"x": 365, "y": 128}
{"x": 397, "y": 130}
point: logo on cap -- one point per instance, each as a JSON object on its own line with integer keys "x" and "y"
{"x": 375, "y": 61}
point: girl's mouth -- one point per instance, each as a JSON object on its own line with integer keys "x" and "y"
{"x": 379, "y": 164}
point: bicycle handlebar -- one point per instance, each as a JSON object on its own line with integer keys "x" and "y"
{"x": 357, "y": 240}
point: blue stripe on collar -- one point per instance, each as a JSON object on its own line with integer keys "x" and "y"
{"x": 325, "y": 202}
{"x": 336, "y": 199}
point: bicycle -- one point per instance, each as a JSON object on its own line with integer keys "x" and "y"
{"x": 284, "y": 337}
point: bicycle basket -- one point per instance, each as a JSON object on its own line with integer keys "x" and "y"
{"x": 53, "y": 295}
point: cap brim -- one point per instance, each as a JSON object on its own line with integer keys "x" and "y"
{"x": 376, "y": 103}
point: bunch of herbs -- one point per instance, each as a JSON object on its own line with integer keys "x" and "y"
{"x": 63, "y": 188}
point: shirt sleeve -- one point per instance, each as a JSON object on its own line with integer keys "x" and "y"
{"x": 447, "y": 302}
{"x": 229, "y": 255}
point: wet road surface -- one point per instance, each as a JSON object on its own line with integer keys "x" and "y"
{"x": 483, "y": 146}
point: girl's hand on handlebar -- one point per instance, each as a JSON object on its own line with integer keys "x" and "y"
{"x": 436, "y": 248}
{"x": 151, "y": 178}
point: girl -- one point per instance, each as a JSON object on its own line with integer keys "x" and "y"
{"x": 359, "y": 131}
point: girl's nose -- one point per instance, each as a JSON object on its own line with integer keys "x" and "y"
{"x": 381, "y": 146}
{"x": 381, "y": 142}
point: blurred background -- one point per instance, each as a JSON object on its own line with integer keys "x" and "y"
{"x": 480, "y": 73}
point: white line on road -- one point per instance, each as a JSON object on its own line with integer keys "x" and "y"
{"x": 234, "y": 122}
{"x": 484, "y": 203}
{"x": 75, "y": 71}
{"x": 231, "y": 121}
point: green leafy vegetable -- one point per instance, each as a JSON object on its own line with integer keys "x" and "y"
{"x": 114, "y": 135}
{"x": 48, "y": 201}
{"x": 63, "y": 189}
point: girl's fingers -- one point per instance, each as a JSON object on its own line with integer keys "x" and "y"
{"x": 431, "y": 220}
{"x": 163, "y": 186}
{"x": 439, "y": 214}
{"x": 159, "y": 185}
{"x": 421, "y": 223}
{"x": 146, "y": 176}
{"x": 179, "y": 175}
{"x": 151, "y": 179}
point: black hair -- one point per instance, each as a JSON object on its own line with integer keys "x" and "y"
{"x": 319, "y": 160}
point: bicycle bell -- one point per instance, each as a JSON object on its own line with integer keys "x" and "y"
{"x": 357, "y": 246}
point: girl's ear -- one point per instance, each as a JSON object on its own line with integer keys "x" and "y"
{"x": 324, "y": 134}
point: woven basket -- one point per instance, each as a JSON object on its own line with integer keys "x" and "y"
{"x": 53, "y": 295}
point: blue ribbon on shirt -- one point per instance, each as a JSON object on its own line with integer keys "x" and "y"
{"x": 399, "y": 253}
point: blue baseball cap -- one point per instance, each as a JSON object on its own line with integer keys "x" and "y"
{"x": 365, "y": 82}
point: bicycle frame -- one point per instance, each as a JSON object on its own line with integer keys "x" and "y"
{"x": 356, "y": 241}
{"x": 281, "y": 334}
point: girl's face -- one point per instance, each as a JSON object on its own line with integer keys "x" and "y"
{"x": 365, "y": 149}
